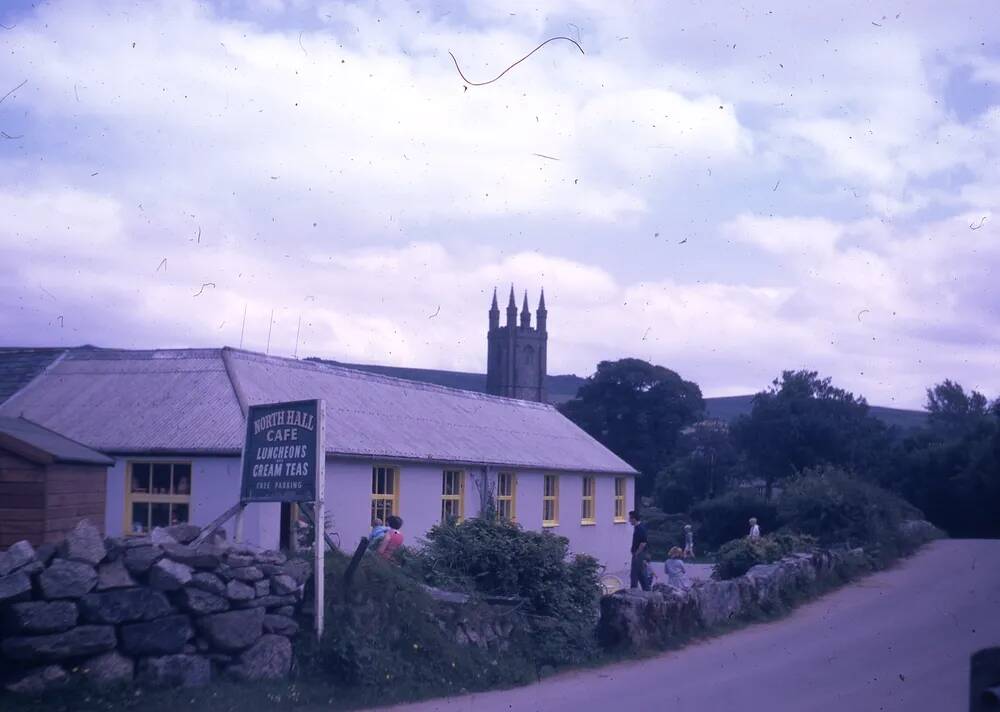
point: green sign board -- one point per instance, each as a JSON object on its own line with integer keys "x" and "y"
{"x": 282, "y": 452}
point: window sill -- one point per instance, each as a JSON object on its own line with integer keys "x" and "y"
{"x": 549, "y": 525}
{"x": 588, "y": 523}
{"x": 621, "y": 521}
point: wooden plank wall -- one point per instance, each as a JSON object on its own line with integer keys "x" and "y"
{"x": 72, "y": 493}
{"x": 22, "y": 500}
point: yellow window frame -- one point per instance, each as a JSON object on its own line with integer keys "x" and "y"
{"x": 621, "y": 487}
{"x": 170, "y": 498}
{"x": 506, "y": 499}
{"x": 550, "y": 501}
{"x": 452, "y": 496}
{"x": 587, "y": 502}
{"x": 385, "y": 492}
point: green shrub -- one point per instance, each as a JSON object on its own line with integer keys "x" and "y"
{"x": 838, "y": 508}
{"x": 738, "y": 556}
{"x": 725, "y": 518}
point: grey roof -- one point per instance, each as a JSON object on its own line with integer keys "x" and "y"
{"x": 19, "y": 365}
{"x": 43, "y": 445}
{"x": 189, "y": 401}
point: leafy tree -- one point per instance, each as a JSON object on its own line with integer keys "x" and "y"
{"x": 951, "y": 468}
{"x": 802, "y": 421}
{"x": 637, "y": 411}
{"x": 708, "y": 461}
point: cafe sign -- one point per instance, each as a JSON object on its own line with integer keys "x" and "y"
{"x": 283, "y": 452}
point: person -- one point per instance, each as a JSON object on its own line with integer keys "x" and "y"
{"x": 674, "y": 569}
{"x": 393, "y": 539}
{"x": 754, "y": 529}
{"x": 379, "y": 530}
{"x": 640, "y": 541}
{"x": 688, "y": 542}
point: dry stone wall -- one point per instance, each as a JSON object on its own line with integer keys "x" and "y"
{"x": 650, "y": 620}
{"x": 153, "y": 610}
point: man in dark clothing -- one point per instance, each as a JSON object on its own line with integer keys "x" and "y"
{"x": 638, "y": 574}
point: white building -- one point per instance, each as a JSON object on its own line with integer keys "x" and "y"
{"x": 173, "y": 420}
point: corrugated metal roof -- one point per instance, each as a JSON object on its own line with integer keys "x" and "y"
{"x": 37, "y": 438}
{"x": 184, "y": 401}
{"x": 19, "y": 365}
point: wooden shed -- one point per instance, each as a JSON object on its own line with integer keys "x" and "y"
{"x": 48, "y": 483}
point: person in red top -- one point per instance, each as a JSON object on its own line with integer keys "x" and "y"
{"x": 393, "y": 539}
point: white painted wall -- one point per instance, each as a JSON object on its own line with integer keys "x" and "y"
{"x": 215, "y": 484}
{"x": 215, "y": 487}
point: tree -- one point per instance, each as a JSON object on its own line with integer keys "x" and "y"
{"x": 637, "y": 411}
{"x": 708, "y": 461}
{"x": 802, "y": 421}
{"x": 951, "y": 468}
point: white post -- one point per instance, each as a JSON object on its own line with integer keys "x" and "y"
{"x": 319, "y": 513}
{"x": 238, "y": 525}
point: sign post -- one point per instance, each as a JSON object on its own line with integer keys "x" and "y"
{"x": 284, "y": 460}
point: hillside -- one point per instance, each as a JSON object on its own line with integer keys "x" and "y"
{"x": 728, "y": 408}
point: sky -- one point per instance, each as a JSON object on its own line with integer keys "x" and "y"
{"x": 725, "y": 189}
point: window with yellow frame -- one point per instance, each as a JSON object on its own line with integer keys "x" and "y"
{"x": 620, "y": 499}
{"x": 157, "y": 494}
{"x": 587, "y": 515}
{"x": 507, "y": 496}
{"x": 385, "y": 492}
{"x": 550, "y": 501}
{"x": 452, "y": 496}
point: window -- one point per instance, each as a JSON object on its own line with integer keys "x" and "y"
{"x": 452, "y": 494}
{"x": 620, "y": 499}
{"x": 550, "y": 501}
{"x": 385, "y": 492}
{"x": 507, "y": 496}
{"x": 587, "y": 516}
{"x": 157, "y": 494}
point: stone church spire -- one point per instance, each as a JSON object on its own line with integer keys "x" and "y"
{"x": 525, "y": 314}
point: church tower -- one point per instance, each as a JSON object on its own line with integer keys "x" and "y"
{"x": 516, "y": 352}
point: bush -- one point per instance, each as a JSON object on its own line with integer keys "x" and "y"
{"x": 725, "y": 518}
{"x": 738, "y": 556}
{"x": 665, "y": 531}
{"x": 837, "y": 508}
{"x": 500, "y": 558}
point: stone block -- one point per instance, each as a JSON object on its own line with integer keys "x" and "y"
{"x": 18, "y": 555}
{"x": 107, "y": 670}
{"x": 261, "y": 588}
{"x": 270, "y": 658}
{"x": 298, "y": 569}
{"x": 168, "y": 575}
{"x": 208, "y": 582}
{"x": 203, "y": 557}
{"x": 40, "y": 617}
{"x": 38, "y": 681}
{"x": 113, "y": 574}
{"x": 162, "y": 636}
{"x": 74, "y": 643}
{"x": 201, "y": 602}
{"x": 139, "y": 559}
{"x": 281, "y": 625}
{"x": 184, "y": 533}
{"x": 238, "y": 561}
{"x": 175, "y": 671}
{"x": 67, "y": 579}
{"x": 160, "y": 536}
{"x": 233, "y": 630}
{"x": 125, "y": 605}
{"x": 239, "y": 591}
{"x": 247, "y": 574}
{"x": 283, "y": 584}
{"x": 270, "y": 557}
{"x": 268, "y": 602}
{"x": 84, "y": 543}
{"x": 16, "y": 587}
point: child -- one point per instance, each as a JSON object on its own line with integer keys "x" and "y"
{"x": 688, "y": 542}
{"x": 378, "y": 531}
{"x": 674, "y": 568}
{"x": 754, "y": 529}
{"x": 393, "y": 539}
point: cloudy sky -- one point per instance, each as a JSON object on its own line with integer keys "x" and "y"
{"x": 725, "y": 189}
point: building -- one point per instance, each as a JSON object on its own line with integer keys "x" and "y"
{"x": 173, "y": 420}
{"x": 48, "y": 483}
{"x": 516, "y": 352}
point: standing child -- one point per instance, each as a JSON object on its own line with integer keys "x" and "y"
{"x": 674, "y": 568}
{"x": 688, "y": 542}
{"x": 393, "y": 539}
{"x": 754, "y": 529}
{"x": 379, "y": 530}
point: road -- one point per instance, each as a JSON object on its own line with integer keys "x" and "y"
{"x": 896, "y": 640}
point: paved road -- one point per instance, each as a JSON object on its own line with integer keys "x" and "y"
{"x": 897, "y": 640}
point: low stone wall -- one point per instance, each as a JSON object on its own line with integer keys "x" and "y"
{"x": 153, "y": 610}
{"x": 640, "y": 620}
